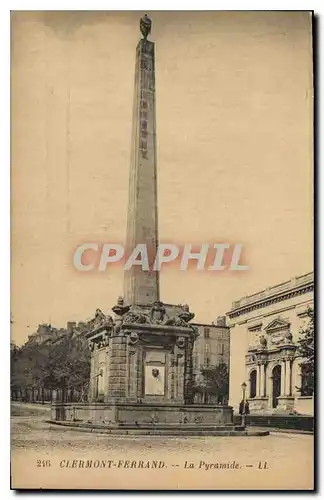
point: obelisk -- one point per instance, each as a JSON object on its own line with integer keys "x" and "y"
{"x": 140, "y": 286}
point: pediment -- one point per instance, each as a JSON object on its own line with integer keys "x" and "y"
{"x": 277, "y": 324}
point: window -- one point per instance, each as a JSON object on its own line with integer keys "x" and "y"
{"x": 206, "y": 333}
{"x": 206, "y": 347}
{"x": 253, "y": 379}
{"x": 207, "y": 361}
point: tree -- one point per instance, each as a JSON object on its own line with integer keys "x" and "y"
{"x": 213, "y": 384}
{"x": 64, "y": 364}
{"x": 306, "y": 350}
{"x": 68, "y": 365}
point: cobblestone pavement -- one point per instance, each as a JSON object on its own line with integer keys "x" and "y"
{"x": 287, "y": 456}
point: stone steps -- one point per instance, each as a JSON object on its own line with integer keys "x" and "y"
{"x": 180, "y": 430}
{"x": 293, "y": 422}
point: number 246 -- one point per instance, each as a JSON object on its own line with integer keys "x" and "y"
{"x": 43, "y": 463}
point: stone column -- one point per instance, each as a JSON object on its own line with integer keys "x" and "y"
{"x": 288, "y": 378}
{"x": 132, "y": 373}
{"x": 188, "y": 373}
{"x": 118, "y": 369}
{"x": 270, "y": 390}
{"x": 262, "y": 380}
{"x": 283, "y": 378}
{"x": 180, "y": 377}
{"x": 258, "y": 385}
{"x": 172, "y": 373}
{"x": 93, "y": 380}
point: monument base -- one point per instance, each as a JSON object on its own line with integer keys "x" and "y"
{"x": 137, "y": 414}
{"x": 149, "y": 420}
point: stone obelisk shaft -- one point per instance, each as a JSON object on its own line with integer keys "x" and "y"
{"x": 142, "y": 287}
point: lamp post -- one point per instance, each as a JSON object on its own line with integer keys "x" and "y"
{"x": 243, "y": 385}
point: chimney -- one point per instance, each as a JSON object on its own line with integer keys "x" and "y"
{"x": 221, "y": 321}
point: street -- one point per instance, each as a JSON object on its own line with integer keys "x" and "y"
{"x": 42, "y": 453}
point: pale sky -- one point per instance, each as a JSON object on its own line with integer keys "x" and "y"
{"x": 234, "y": 138}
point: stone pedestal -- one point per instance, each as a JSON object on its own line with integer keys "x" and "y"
{"x": 285, "y": 404}
{"x": 258, "y": 404}
{"x": 142, "y": 356}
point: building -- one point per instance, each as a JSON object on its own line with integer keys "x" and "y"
{"x": 212, "y": 345}
{"x": 44, "y": 333}
{"x": 265, "y": 328}
{"x": 47, "y": 333}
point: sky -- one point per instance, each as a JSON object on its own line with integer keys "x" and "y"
{"x": 234, "y": 98}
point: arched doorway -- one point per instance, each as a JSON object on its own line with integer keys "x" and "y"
{"x": 276, "y": 381}
{"x": 253, "y": 380}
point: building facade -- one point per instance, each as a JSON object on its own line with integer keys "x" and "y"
{"x": 265, "y": 328}
{"x": 211, "y": 350}
{"x": 212, "y": 346}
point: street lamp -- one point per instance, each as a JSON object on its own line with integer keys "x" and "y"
{"x": 244, "y": 404}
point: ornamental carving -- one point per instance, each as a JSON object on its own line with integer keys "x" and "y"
{"x": 135, "y": 317}
{"x": 263, "y": 342}
{"x": 278, "y": 332}
{"x": 176, "y": 321}
{"x": 198, "y": 418}
{"x": 133, "y": 338}
{"x": 106, "y": 338}
{"x": 180, "y": 342}
{"x": 157, "y": 313}
{"x": 100, "y": 319}
{"x": 120, "y": 309}
{"x": 186, "y": 315}
{"x": 158, "y": 316}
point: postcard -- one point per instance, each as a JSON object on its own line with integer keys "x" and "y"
{"x": 162, "y": 270}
